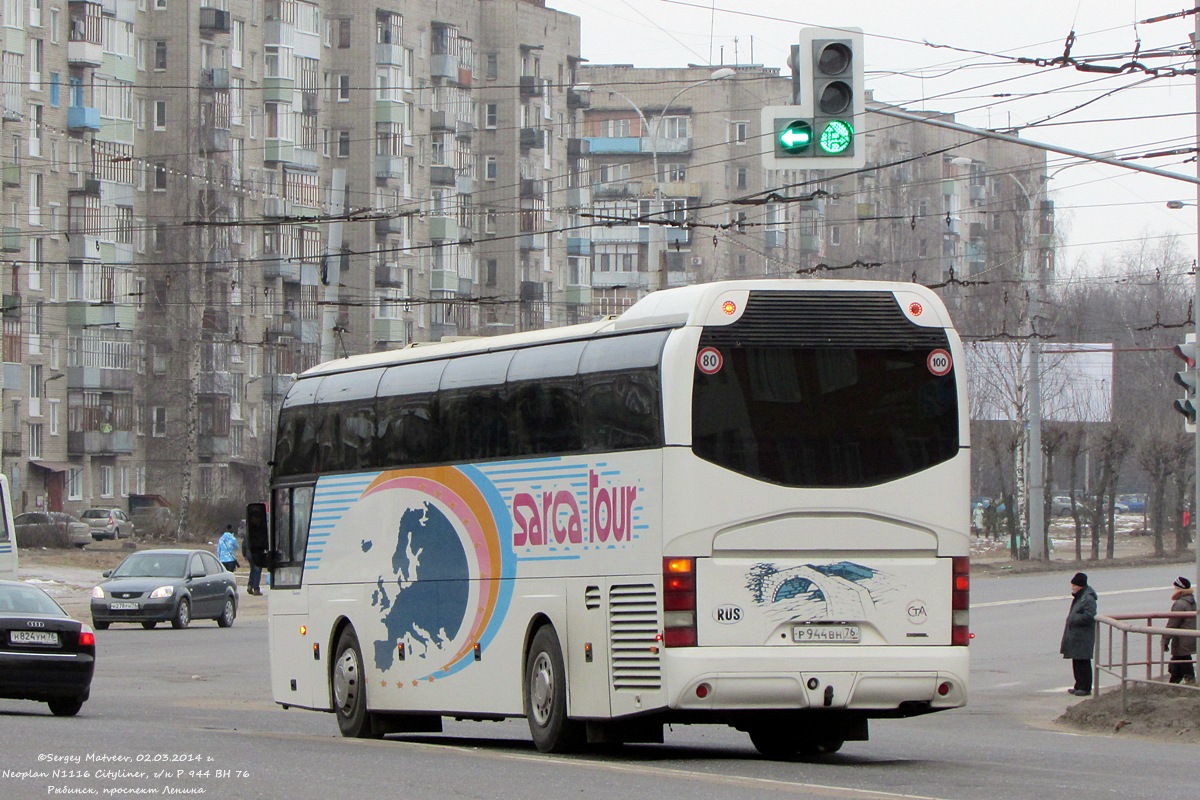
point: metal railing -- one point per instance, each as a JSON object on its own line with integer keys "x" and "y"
{"x": 1154, "y": 657}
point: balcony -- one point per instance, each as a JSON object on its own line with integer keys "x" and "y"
{"x": 280, "y": 267}
{"x": 620, "y": 280}
{"x": 441, "y": 175}
{"x": 278, "y": 90}
{"x": 276, "y": 207}
{"x": 12, "y": 174}
{"x": 684, "y": 189}
{"x": 395, "y": 111}
{"x": 533, "y": 242}
{"x": 978, "y": 193}
{"x": 443, "y": 228}
{"x": 85, "y": 54}
{"x": 533, "y": 139}
{"x": 579, "y": 197}
{"x": 214, "y": 140}
{"x": 775, "y": 238}
{"x": 389, "y": 167}
{"x": 667, "y": 146}
{"x": 617, "y": 189}
{"x": 212, "y": 201}
{"x": 98, "y": 443}
{"x": 578, "y": 99}
{"x": 531, "y": 86}
{"x": 214, "y": 20}
{"x": 387, "y": 54}
{"x": 279, "y": 150}
{"x": 391, "y": 225}
{"x": 464, "y": 129}
{"x": 577, "y": 148}
{"x": 83, "y": 248}
{"x": 443, "y": 280}
{"x": 809, "y": 243}
{"x": 88, "y": 186}
{"x": 464, "y": 184}
{"x": 83, "y": 118}
{"x": 389, "y": 330}
{"x": 12, "y": 443}
{"x": 606, "y": 145}
{"x": 12, "y": 240}
{"x": 532, "y": 188}
{"x": 389, "y": 276}
{"x": 579, "y": 246}
{"x": 209, "y": 446}
{"x": 441, "y": 121}
{"x": 578, "y": 295}
{"x": 213, "y": 78}
{"x": 443, "y": 66}
{"x": 215, "y": 382}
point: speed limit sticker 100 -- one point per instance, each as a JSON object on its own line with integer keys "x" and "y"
{"x": 939, "y": 362}
{"x": 709, "y": 361}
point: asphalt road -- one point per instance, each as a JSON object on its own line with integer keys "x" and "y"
{"x": 190, "y": 712}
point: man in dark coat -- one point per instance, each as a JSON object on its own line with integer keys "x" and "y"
{"x": 1181, "y": 647}
{"x": 1079, "y": 634}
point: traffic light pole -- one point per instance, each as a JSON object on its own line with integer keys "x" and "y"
{"x": 1196, "y": 318}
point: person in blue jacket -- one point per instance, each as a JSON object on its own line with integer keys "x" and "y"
{"x": 1079, "y": 633}
{"x": 227, "y": 547}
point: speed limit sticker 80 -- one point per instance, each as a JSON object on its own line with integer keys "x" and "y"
{"x": 709, "y": 360}
{"x": 939, "y": 362}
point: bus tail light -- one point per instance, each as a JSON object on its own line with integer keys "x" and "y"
{"x": 679, "y": 602}
{"x": 960, "y": 601}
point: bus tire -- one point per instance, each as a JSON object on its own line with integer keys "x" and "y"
{"x": 349, "y": 685}
{"x": 546, "y": 696}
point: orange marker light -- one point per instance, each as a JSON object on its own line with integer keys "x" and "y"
{"x": 678, "y": 565}
{"x": 729, "y": 307}
{"x": 303, "y": 630}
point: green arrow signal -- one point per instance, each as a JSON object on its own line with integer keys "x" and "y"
{"x": 796, "y": 136}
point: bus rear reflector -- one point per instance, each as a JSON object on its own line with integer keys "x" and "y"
{"x": 960, "y": 601}
{"x": 679, "y": 602}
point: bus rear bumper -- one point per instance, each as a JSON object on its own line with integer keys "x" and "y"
{"x": 877, "y": 682}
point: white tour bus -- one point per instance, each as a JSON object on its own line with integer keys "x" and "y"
{"x": 742, "y": 503}
{"x": 8, "y": 534}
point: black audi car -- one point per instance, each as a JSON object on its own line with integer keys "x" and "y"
{"x": 45, "y": 655}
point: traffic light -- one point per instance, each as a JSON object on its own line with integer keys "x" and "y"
{"x": 1186, "y": 378}
{"x": 821, "y": 126}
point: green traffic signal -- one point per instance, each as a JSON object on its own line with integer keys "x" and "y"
{"x": 837, "y": 137}
{"x": 796, "y": 137}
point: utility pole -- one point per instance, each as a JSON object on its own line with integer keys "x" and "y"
{"x": 1196, "y": 318}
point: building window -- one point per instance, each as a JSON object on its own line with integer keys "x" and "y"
{"x": 491, "y": 168}
{"x": 160, "y": 55}
{"x": 35, "y": 440}
{"x": 491, "y": 67}
{"x": 74, "y": 484}
{"x": 343, "y": 88}
{"x": 835, "y": 235}
{"x": 742, "y": 177}
{"x": 158, "y": 422}
{"x": 160, "y": 115}
{"x": 160, "y": 5}
{"x": 343, "y": 144}
{"x": 740, "y": 132}
{"x": 491, "y": 117}
{"x": 106, "y": 480}
{"x": 160, "y": 177}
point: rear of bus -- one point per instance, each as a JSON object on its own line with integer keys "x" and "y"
{"x": 816, "y": 481}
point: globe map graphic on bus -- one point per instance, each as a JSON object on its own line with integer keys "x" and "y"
{"x": 425, "y": 602}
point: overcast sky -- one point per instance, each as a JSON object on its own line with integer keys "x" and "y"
{"x": 1105, "y": 210}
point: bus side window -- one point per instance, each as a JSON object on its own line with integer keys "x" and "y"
{"x": 546, "y": 417}
{"x": 474, "y": 407}
{"x": 621, "y": 392}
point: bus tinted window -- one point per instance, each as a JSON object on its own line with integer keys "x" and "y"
{"x": 406, "y": 421}
{"x": 473, "y": 408}
{"x": 546, "y": 416}
{"x": 620, "y": 391}
{"x": 824, "y": 417}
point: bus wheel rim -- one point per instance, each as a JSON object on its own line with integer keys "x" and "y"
{"x": 541, "y": 689}
{"x": 345, "y": 679}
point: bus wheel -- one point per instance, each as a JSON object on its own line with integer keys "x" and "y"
{"x": 546, "y": 696}
{"x": 350, "y": 689}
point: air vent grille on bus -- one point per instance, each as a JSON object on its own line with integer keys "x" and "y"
{"x": 633, "y": 630}
{"x": 591, "y": 598}
{"x": 837, "y": 319}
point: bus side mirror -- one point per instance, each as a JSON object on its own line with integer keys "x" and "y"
{"x": 258, "y": 535}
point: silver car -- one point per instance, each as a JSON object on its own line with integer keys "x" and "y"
{"x": 108, "y": 523}
{"x": 46, "y": 526}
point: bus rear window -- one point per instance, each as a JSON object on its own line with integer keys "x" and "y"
{"x": 824, "y": 417}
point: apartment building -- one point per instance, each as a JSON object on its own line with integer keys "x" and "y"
{"x": 680, "y": 194}
{"x": 202, "y": 199}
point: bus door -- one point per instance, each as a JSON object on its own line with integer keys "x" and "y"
{"x": 8, "y": 536}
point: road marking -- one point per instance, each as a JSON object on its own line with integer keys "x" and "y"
{"x": 1058, "y": 598}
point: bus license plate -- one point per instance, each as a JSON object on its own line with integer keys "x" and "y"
{"x": 33, "y": 637}
{"x": 123, "y": 606}
{"x": 826, "y": 634}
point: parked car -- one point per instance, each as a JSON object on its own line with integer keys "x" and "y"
{"x": 45, "y": 655}
{"x": 176, "y": 586}
{"x": 108, "y": 523}
{"x": 1136, "y": 503}
{"x": 1060, "y": 505}
{"x": 150, "y": 513}
{"x": 50, "y": 526}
